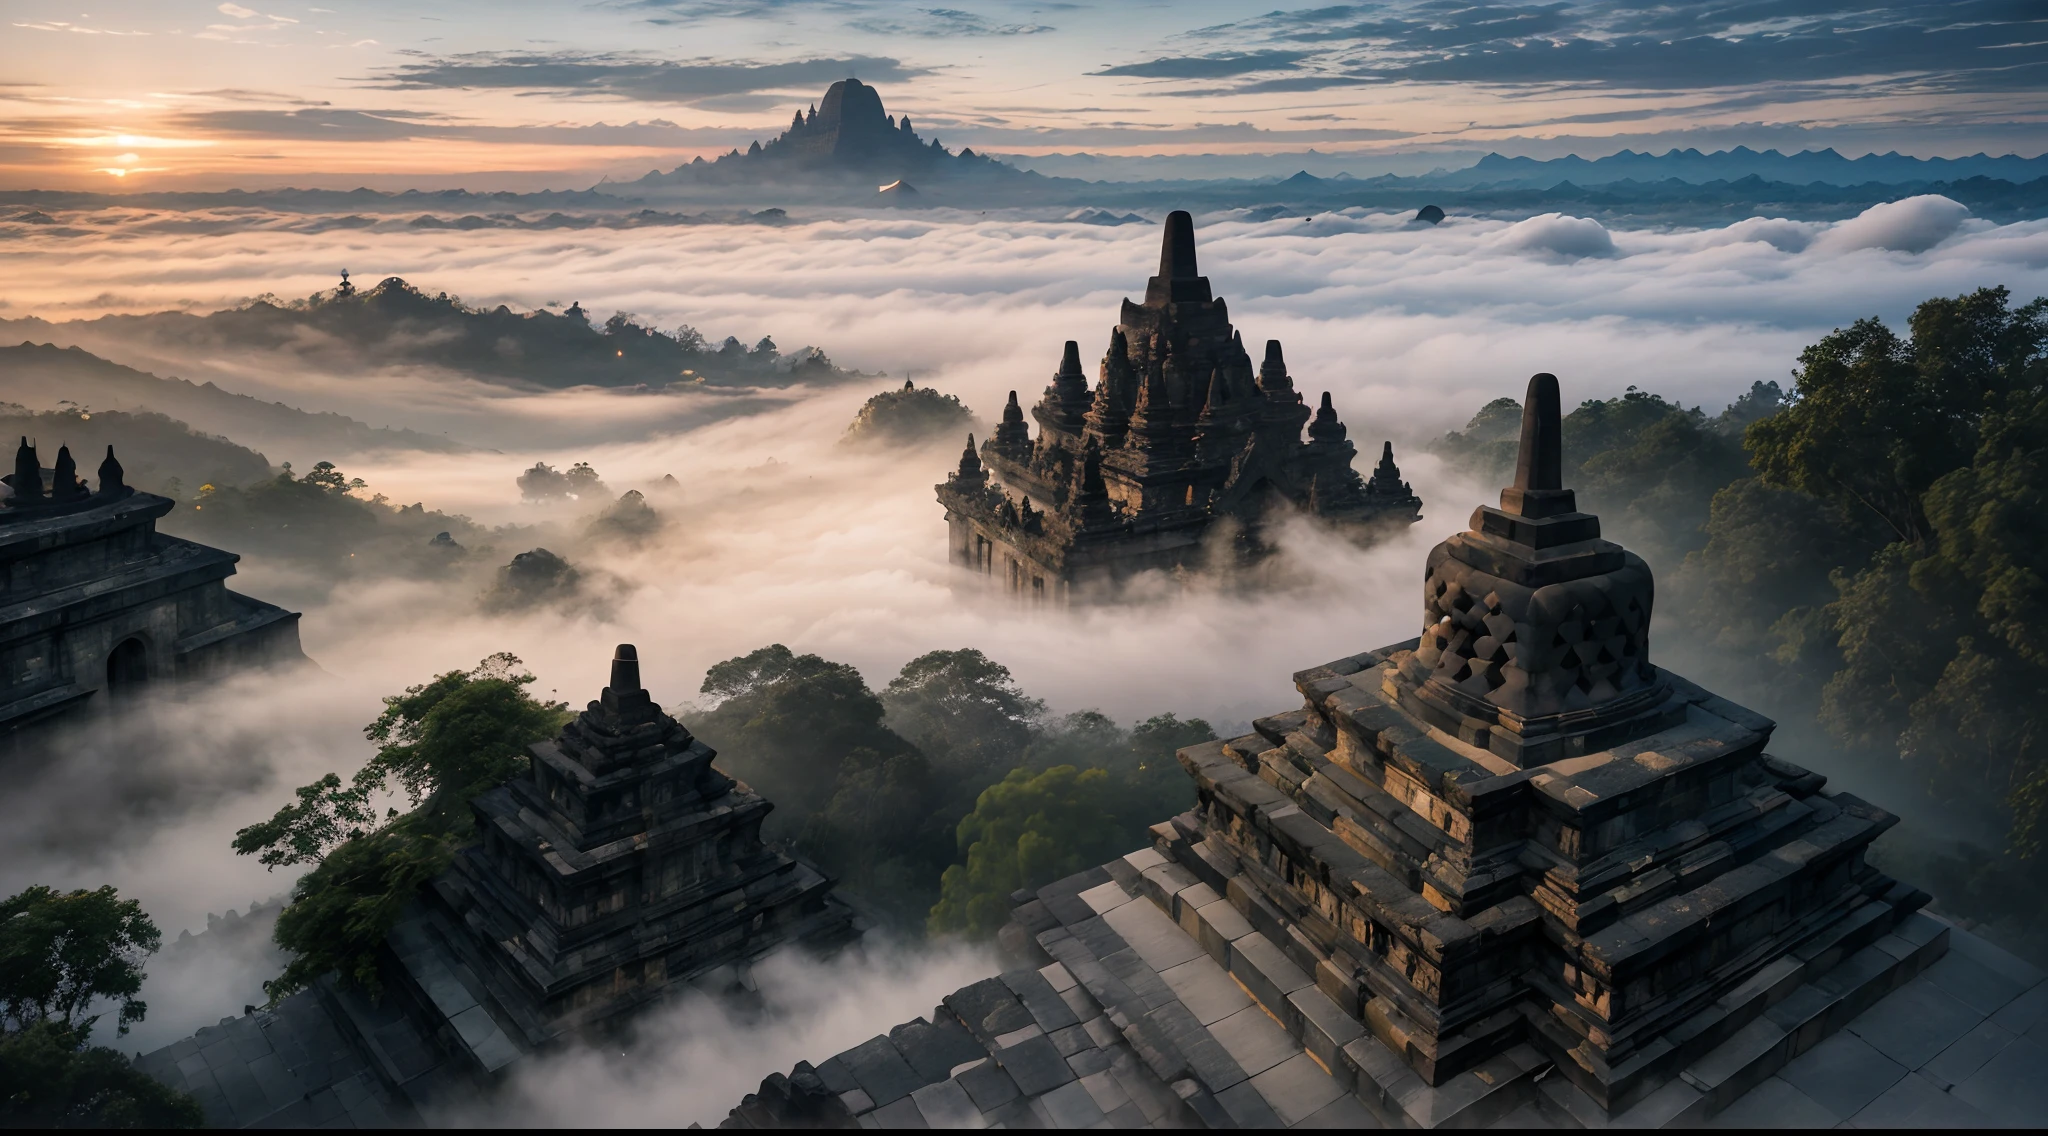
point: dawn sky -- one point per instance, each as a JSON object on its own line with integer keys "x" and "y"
{"x": 517, "y": 94}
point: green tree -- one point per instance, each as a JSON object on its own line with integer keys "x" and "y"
{"x": 441, "y": 743}
{"x": 1107, "y": 787}
{"x": 62, "y": 951}
{"x": 885, "y": 833}
{"x": 1875, "y": 420}
{"x": 60, "y": 954}
{"x": 49, "y": 1078}
{"x": 963, "y": 710}
{"x": 785, "y": 723}
{"x": 1026, "y": 831}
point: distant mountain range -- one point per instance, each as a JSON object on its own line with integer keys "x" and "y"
{"x": 849, "y": 151}
{"x": 847, "y": 139}
{"x": 1807, "y": 167}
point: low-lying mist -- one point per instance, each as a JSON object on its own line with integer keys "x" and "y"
{"x": 694, "y": 1058}
{"x": 778, "y": 534}
{"x": 1408, "y": 325}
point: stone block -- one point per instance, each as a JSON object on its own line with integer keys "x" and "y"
{"x": 1775, "y": 1104}
{"x": 1105, "y": 897}
{"x": 1145, "y": 859}
{"x": 1103, "y": 1089}
{"x": 1164, "y": 883}
{"x": 1266, "y": 972}
{"x": 1967, "y": 976}
{"x": 1740, "y": 1063}
{"x": 1340, "y": 986}
{"x": 1191, "y": 899}
{"x": 1221, "y": 924}
{"x": 1247, "y": 1108}
{"x": 1297, "y": 1088}
{"x": 1254, "y": 1040}
{"x": 881, "y": 1071}
{"x": 2010, "y": 1087}
{"x": 947, "y": 1105}
{"x": 1843, "y": 1073}
{"x": 1325, "y": 1029}
{"x": 898, "y": 1115}
{"x": 1071, "y": 1106}
{"x": 1088, "y": 1061}
{"x": 1808, "y": 1014}
{"x": 1040, "y": 999}
{"x": 2026, "y": 1012}
{"x": 244, "y": 1096}
{"x": 988, "y": 1085}
{"x": 1036, "y": 1066}
{"x": 1989, "y": 954}
{"x": 1915, "y": 1102}
{"x": 1206, "y": 989}
{"x": 1914, "y": 1023}
{"x": 1101, "y": 1032}
{"x": 1153, "y": 934}
{"x": 1966, "y": 1055}
{"x": 1187, "y": 1045}
{"x": 1149, "y": 989}
{"x": 834, "y": 1074}
{"x": 988, "y": 1009}
{"x": 1344, "y": 1113}
{"x": 934, "y": 1049}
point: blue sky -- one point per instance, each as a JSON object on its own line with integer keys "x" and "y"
{"x": 188, "y": 93}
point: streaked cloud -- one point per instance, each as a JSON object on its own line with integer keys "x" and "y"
{"x": 942, "y": 23}
{"x": 1922, "y": 45}
{"x": 620, "y": 75}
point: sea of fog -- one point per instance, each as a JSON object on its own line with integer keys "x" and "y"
{"x": 783, "y": 535}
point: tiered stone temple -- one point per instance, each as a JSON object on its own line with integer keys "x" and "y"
{"x": 620, "y": 867}
{"x": 1511, "y": 847}
{"x": 1180, "y": 437}
{"x": 97, "y": 602}
{"x": 623, "y": 864}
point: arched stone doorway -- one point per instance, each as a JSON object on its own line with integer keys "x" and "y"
{"x": 127, "y": 667}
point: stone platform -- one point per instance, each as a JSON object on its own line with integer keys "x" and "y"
{"x": 1163, "y": 1006}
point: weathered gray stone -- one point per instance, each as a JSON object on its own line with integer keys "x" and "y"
{"x": 1843, "y": 1073}
{"x": 95, "y": 604}
{"x": 1180, "y": 435}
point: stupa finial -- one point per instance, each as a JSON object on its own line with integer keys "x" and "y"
{"x": 1177, "y": 249}
{"x": 1540, "y": 464}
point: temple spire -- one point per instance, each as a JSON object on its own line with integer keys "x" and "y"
{"x": 1539, "y": 489}
{"x": 1177, "y": 250}
{"x": 624, "y": 700}
{"x": 1273, "y": 376}
{"x": 1326, "y": 427}
{"x": 28, "y": 475}
{"x": 112, "y": 477}
{"x": 626, "y": 669}
{"x": 970, "y": 472}
{"x": 1110, "y": 416}
{"x": 1179, "y": 280}
{"x": 67, "y": 486}
{"x": 1540, "y": 464}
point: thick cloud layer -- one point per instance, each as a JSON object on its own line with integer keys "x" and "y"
{"x": 1407, "y": 327}
{"x": 694, "y": 1060}
{"x": 781, "y": 535}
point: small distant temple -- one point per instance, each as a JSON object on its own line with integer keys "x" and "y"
{"x": 1509, "y": 873}
{"x": 1179, "y": 442}
{"x": 621, "y": 867}
{"x": 97, "y": 603}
